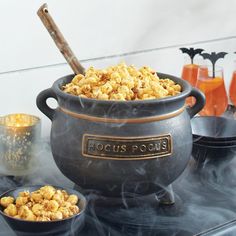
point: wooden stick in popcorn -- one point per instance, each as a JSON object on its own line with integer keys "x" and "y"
{"x": 59, "y": 40}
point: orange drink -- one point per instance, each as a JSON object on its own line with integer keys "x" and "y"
{"x": 214, "y": 90}
{"x": 190, "y": 70}
{"x": 232, "y": 89}
{"x": 189, "y": 73}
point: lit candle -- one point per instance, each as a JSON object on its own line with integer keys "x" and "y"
{"x": 19, "y": 135}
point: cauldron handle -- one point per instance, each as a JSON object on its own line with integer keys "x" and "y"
{"x": 199, "y": 104}
{"x": 42, "y": 104}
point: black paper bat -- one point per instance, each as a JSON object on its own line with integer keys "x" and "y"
{"x": 192, "y": 52}
{"x": 213, "y": 57}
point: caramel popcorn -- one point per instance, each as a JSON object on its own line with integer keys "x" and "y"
{"x": 5, "y": 201}
{"x": 121, "y": 82}
{"x": 11, "y": 210}
{"x": 21, "y": 201}
{"x": 44, "y": 204}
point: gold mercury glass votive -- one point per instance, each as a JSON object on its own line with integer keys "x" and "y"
{"x": 19, "y": 138}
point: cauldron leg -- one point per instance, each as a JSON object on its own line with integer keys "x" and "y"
{"x": 166, "y": 196}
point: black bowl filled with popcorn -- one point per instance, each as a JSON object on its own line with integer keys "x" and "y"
{"x": 43, "y": 210}
{"x": 121, "y": 130}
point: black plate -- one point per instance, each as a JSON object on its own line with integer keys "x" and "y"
{"x": 202, "y": 141}
{"x": 212, "y": 128}
{"x": 202, "y": 153}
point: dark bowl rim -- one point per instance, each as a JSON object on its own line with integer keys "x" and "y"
{"x": 184, "y": 93}
{"x": 201, "y": 140}
{"x": 229, "y": 144}
{"x": 211, "y": 138}
{"x": 210, "y": 146}
{"x": 43, "y": 222}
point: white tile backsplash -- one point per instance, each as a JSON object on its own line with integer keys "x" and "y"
{"x": 104, "y": 27}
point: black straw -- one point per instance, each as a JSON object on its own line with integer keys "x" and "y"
{"x": 213, "y": 57}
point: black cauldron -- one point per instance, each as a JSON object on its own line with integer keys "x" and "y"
{"x": 121, "y": 147}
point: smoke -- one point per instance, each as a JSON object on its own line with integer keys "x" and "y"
{"x": 204, "y": 195}
{"x": 205, "y": 198}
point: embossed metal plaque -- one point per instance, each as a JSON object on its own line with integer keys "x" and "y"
{"x": 126, "y": 148}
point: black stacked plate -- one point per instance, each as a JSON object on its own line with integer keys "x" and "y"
{"x": 214, "y": 138}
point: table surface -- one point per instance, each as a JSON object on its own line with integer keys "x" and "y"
{"x": 205, "y": 198}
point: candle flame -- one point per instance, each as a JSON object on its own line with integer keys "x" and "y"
{"x": 19, "y": 120}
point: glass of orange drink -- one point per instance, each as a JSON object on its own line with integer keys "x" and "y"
{"x": 190, "y": 74}
{"x": 232, "y": 88}
{"x": 214, "y": 89}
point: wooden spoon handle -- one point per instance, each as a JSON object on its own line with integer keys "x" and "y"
{"x": 59, "y": 39}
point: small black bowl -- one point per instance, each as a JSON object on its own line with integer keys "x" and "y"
{"x": 202, "y": 153}
{"x": 59, "y": 227}
{"x": 214, "y": 129}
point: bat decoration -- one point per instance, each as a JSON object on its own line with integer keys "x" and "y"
{"x": 192, "y": 52}
{"x": 213, "y": 57}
